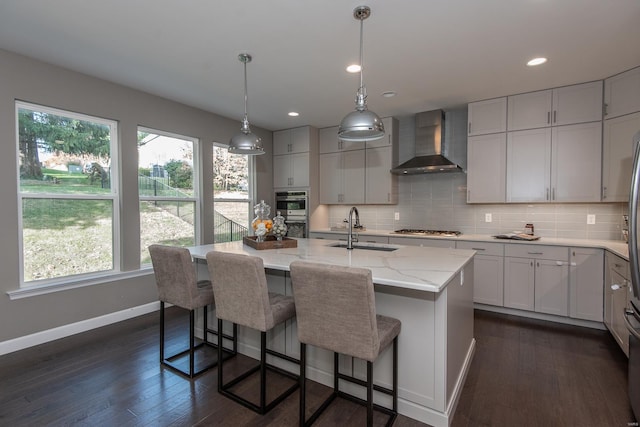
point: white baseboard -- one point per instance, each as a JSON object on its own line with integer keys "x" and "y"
{"x": 42, "y": 337}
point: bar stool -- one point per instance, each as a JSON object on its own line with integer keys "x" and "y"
{"x": 178, "y": 285}
{"x": 240, "y": 288}
{"x": 335, "y": 310}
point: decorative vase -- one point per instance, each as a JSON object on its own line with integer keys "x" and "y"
{"x": 261, "y": 224}
{"x": 279, "y": 227}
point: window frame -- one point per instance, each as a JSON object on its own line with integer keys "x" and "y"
{"x": 196, "y": 179}
{"x": 113, "y": 196}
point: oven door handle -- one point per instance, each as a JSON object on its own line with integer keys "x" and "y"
{"x": 630, "y": 328}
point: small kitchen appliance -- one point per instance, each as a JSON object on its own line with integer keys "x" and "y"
{"x": 293, "y": 206}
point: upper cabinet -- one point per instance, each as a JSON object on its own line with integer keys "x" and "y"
{"x": 330, "y": 143}
{"x": 617, "y": 152}
{"x": 486, "y": 168}
{"x": 622, "y": 94}
{"x": 359, "y": 172}
{"x": 295, "y": 157}
{"x": 291, "y": 141}
{"x": 555, "y": 107}
{"x": 489, "y": 116}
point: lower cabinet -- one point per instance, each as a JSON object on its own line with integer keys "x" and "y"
{"x": 488, "y": 271}
{"x": 586, "y": 284}
{"x": 537, "y": 278}
{"x": 616, "y": 298}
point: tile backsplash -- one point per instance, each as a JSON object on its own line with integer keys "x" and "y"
{"x": 438, "y": 201}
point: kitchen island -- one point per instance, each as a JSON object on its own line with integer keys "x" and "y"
{"x": 429, "y": 289}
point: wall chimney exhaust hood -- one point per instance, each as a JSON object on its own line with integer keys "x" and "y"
{"x": 429, "y": 154}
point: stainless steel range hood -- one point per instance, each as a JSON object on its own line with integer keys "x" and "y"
{"x": 429, "y": 153}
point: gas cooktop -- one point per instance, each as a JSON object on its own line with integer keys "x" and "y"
{"x": 419, "y": 232}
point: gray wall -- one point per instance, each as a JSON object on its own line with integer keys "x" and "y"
{"x": 28, "y": 80}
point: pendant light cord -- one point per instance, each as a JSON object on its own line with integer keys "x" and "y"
{"x": 246, "y": 97}
{"x": 361, "y": 53}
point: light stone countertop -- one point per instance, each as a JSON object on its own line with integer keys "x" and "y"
{"x": 617, "y": 247}
{"x": 410, "y": 267}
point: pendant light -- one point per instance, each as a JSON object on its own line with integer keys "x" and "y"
{"x": 245, "y": 142}
{"x": 361, "y": 124}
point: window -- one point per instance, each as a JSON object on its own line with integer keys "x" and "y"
{"x": 67, "y": 194}
{"x": 167, "y": 184}
{"x": 231, "y": 194}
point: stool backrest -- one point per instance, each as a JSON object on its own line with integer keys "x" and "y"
{"x": 335, "y": 308}
{"x": 240, "y": 289}
{"x": 175, "y": 276}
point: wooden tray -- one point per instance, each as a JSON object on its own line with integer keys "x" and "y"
{"x": 270, "y": 242}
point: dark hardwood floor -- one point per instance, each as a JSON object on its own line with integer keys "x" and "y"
{"x": 524, "y": 373}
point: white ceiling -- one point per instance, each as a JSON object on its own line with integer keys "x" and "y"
{"x": 433, "y": 53}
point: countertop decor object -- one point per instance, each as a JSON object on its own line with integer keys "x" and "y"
{"x": 269, "y": 242}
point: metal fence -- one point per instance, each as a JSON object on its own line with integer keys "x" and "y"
{"x": 227, "y": 230}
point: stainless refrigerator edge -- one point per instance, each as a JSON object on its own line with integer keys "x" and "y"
{"x": 632, "y": 312}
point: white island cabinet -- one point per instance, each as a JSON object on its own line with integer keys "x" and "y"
{"x": 429, "y": 290}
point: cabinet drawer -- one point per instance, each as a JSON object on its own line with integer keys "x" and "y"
{"x": 422, "y": 241}
{"x": 619, "y": 265}
{"x": 483, "y": 248}
{"x": 556, "y": 253}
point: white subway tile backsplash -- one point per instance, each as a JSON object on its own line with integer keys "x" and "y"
{"x": 438, "y": 201}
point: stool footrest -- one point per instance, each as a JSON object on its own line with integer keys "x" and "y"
{"x": 363, "y": 383}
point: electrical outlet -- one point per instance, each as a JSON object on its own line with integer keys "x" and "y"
{"x": 591, "y": 219}
{"x": 396, "y": 216}
{"x": 487, "y": 217}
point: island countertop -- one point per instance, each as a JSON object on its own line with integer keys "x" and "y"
{"x": 411, "y": 267}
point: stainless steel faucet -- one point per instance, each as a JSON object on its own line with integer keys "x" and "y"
{"x": 350, "y": 238}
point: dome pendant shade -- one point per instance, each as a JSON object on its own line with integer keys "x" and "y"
{"x": 361, "y": 124}
{"x": 245, "y": 142}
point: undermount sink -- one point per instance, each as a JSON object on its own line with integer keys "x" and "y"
{"x": 366, "y": 247}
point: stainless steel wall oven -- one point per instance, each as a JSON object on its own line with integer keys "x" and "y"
{"x": 293, "y": 206}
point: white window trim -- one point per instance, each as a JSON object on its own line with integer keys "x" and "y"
{"x": 58, "y": 282}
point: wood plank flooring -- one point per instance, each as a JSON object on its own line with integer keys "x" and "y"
{"x": 525, "y": 373}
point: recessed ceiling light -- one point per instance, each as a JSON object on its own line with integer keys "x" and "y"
{"x": 293, "y": 114}
{"x": 353, "y": 68}
{"x": 536, "y": 61}
{"x": 389, "y": 94}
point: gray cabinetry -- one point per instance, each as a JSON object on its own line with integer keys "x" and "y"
{"x": 488, "y": 271}
{"x": 488, "y": 116}
{"x": 586, "y": 278}
{"x": 622, "y": 93}
{"x": 295, "y": 157}
{"x": 537, "y": 278}
{"x": 616, "y": 298}
{"x": 487, "y": 168}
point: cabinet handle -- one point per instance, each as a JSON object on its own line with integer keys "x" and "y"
{"x": 478, "y": 249}
{"x": 388, "y": 197}
{"x": 531, "y": 263}
{"x": 537, "y": 264}
{"x": 616, "y": 265}
{"x": 469, "y": 131}
{"x": 604, "y": 193}
{"x": 605, "y": 108}
{"x": 547, "y": 198}
{"x": 548, "y": 117}
{"x": 617, "y": 286}
{"x": 553, "y": 193}
{"x": 555, "y": 113}
{"x": 535, "y": 253}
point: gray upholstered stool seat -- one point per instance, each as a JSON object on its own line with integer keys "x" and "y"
{"x": 335, "y": 310}
{"x": 242, "y": 297}
{"x": 178, "y": 285}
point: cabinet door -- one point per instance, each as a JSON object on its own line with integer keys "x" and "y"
{"x": 487, "y": 168}
{"x": 330, "y": 143}
{"x": 617, "y": 158}
{"x": 519, "y": 285}
{"x": 281, "y": 171}
{"x": 330, "y": 178}
{"x": 577, "y": 163}
{"x": 622, "y": 93}
{"x": 577, "y": 104}
{"x": 353, "y": 173}
{"x": 488, "y": 279}
{"x": 619, "y": 302}
{"x": 300, "y": 139}
{"x": 380, "y": 183}
{"x": 529, "y": 110}
{"x": 387, "y": 139}
{"x": 488, "y": 116}
{"x": 299, "y": 164}
{"x": 529, "y": 165}
{"x": 281, "y": 142}
{"x": 586, "y": 291}
{"x": 552, "y": 287}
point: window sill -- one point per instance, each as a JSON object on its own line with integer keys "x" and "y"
{"x": 43, "y": 289}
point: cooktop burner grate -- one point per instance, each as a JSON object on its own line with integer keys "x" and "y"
{"x": 447, "y": 233}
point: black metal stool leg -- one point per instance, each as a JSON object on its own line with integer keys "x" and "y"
{"x": 220, "y": 354}
{"x": 161, "y": 331}
{"x": 303, "y": 385}
{"x": 192, "y": 332}
{"x": 369, "y": 394}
